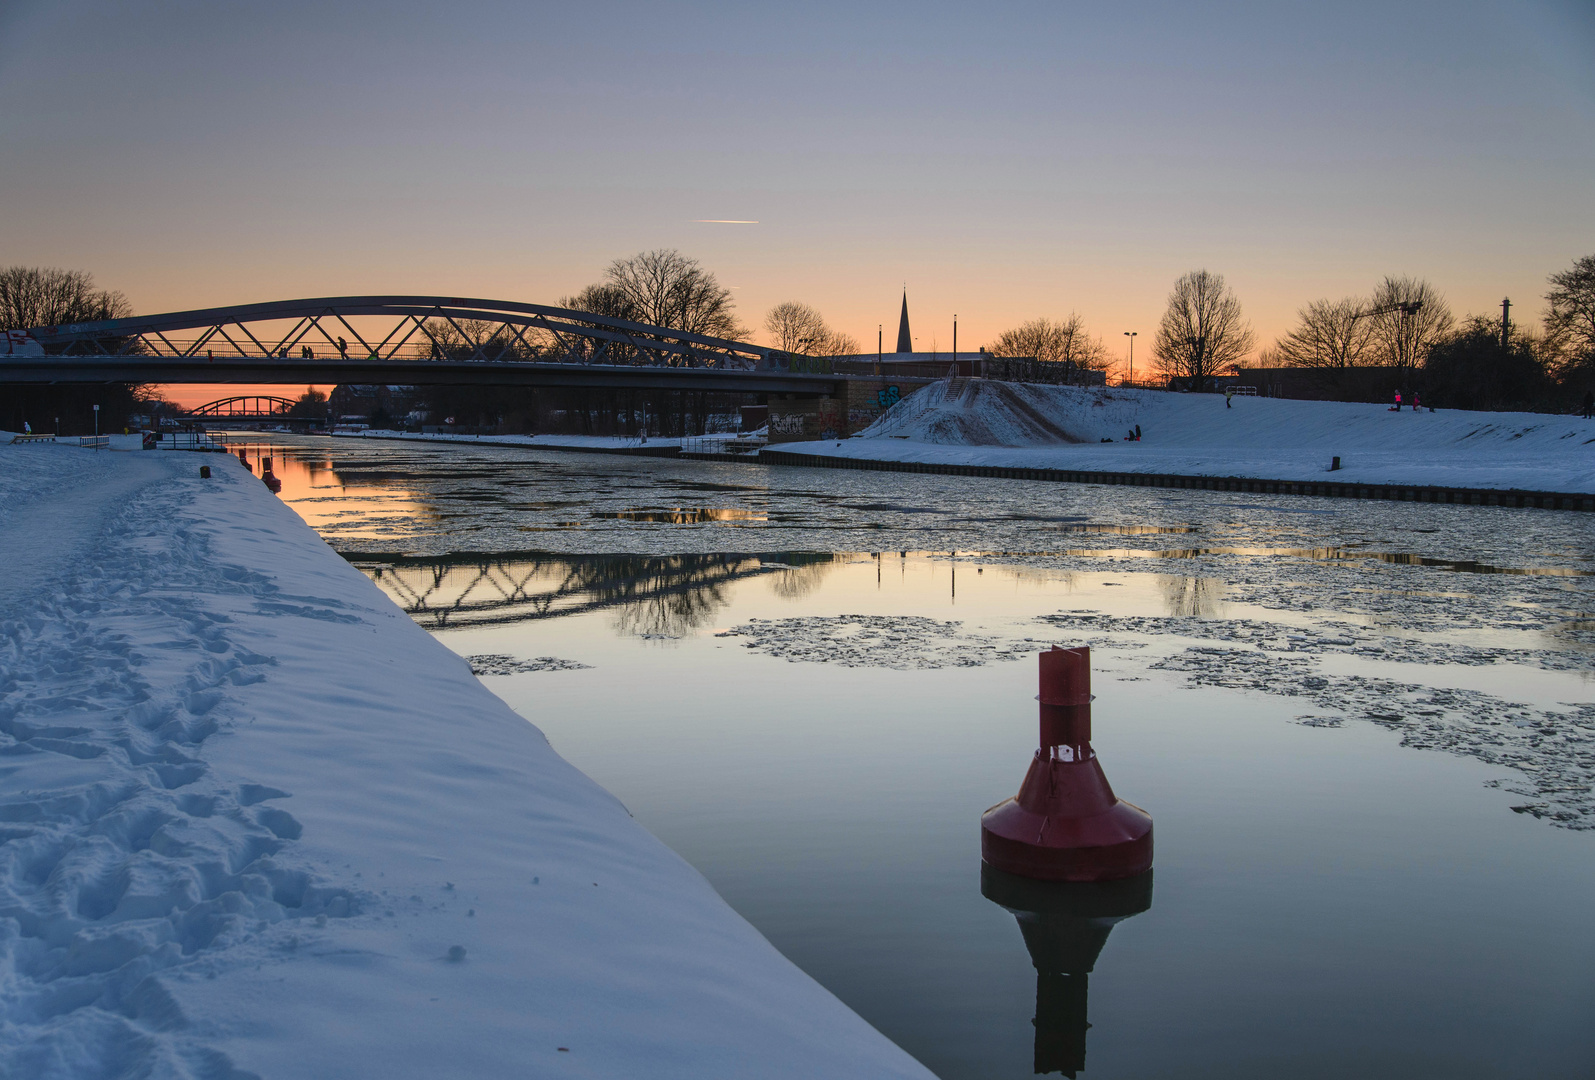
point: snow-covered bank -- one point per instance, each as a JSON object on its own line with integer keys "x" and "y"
{"x": 257, "y": 822}
{"x": 1197, "y": 435}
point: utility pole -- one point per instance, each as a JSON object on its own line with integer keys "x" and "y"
{"x": 955, "y": 342}
{"x": 1506, "y": 322}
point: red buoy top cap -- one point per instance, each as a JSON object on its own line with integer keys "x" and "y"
{"x": 1066, "y": 676}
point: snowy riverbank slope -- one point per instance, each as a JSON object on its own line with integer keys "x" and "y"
{"x": 254, "y": 821}
{"x": 977, "y": 423}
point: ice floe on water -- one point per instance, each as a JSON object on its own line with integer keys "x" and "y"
{"x": 901, "y": 642}
{"x": 500, "y": 664}
{"x": 1325, "y": 637}
{"x": 1552, "y": 748}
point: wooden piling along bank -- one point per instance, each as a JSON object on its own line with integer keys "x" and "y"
{"x": 1545, "y": 500}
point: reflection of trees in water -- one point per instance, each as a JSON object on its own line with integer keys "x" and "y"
{"x": 657, "y": 595}
{"x": 1201, "y": 597}
{"x": 802, "y": 575}
{"x": 1041, "y": 577}
{"x": 668, "y": 596}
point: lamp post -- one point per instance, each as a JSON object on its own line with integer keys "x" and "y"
{"x": 1131, "y": 335}
{"x": 955, "y": 344}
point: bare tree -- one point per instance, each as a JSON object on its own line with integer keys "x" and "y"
{"x": 39, "y": 296}
{"x": 1570, "y": 315}
{"x": 461, "y": 338}
{"x": 603, "y": 299}
{"x": 1202, "y": 330}
{"x": 798, "y": 328}
{"x": 1408, "y": 318}
{"x": 1328, "y": 334}
{"x": 665, "y": 288}
{"x": 1050, "y": 342}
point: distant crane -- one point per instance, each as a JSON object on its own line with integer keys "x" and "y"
{"x": 1406, "y": 308}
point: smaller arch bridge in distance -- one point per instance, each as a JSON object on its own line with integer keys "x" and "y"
{"x": 243, "y": 407}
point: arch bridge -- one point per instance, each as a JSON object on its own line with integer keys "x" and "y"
{"x": 404, "y": 340}
{"x": 243, "y": 407}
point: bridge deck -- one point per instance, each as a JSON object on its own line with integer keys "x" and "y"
{"x": 295, "y": 372}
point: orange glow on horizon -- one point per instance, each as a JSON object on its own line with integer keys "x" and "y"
{"x": 191, "y": 395}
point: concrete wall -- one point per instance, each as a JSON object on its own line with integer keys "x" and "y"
{"x": 794, "y": 419}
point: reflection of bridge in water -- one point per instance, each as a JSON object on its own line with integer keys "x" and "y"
{"x": 663, "y": 595}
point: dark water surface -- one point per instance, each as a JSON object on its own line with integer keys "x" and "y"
{"x": 1365, "y": 731}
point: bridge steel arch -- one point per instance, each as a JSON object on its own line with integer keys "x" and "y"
{"x": 563, "y": 335}
{"x": 419, "y": 339}
{"x": 243, "y": 407}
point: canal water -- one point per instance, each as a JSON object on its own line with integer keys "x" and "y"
{"x": 1365, "y": 731}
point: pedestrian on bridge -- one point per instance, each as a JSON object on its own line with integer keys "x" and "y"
{"x": 343, "y": 348}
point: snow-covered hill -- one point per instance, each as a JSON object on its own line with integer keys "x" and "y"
{"x": 970, "y": 421}
{"x": 975, "y": 412}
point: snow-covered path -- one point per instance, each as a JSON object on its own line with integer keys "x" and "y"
{"x": 257, "y": 822}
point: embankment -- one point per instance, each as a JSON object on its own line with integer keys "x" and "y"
{"x": 1198, "y": 437}
{"x": 256, "y": 822}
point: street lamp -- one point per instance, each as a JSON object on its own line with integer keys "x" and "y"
{"x": 1131, "y": 335}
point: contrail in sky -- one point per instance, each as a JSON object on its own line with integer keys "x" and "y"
{"x": 721, "y": 221}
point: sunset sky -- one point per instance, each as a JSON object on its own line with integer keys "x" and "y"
{"x": 1003, "y": 160}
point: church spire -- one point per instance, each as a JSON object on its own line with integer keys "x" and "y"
{"x": 905, "y": 341}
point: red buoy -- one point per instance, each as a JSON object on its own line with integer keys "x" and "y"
{"x": 1066, "y": 824}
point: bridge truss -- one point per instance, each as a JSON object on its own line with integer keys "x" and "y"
{"x": 411, "y": 328}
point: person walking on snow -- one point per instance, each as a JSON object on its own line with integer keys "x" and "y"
{"x": 1229, "y": 392}
{"x": 1589, "y": 404}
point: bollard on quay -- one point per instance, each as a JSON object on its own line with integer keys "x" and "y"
{"x": 1066, "y": 824}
